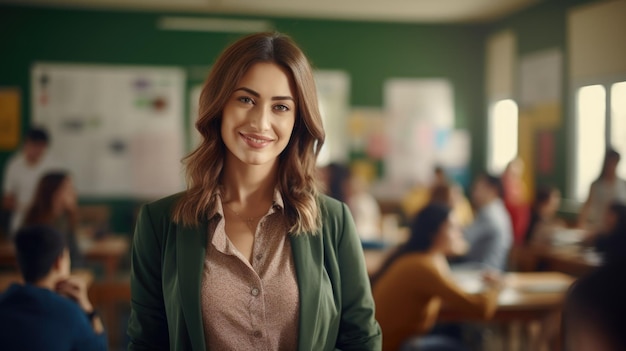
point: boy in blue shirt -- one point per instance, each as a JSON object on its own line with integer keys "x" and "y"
{"x": 51, "y": 311}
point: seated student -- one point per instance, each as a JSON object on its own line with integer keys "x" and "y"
{"x": 51, "y": 311}
{"x": 543, "y": 220}
{"x": 451, "y": 195}
{"x": 490, "y": 236}
{"x": 342, "y": 184}
{"x": 515, "y": 198}
{"x": 54, "y": 204}
{"x": 595, "y": 311}
{"x": 611, "y": 241}
{"x": 441, "y": 189}
{"x": 415, "y": 280}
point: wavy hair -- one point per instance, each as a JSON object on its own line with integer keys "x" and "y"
{"x": 296, "y": 173}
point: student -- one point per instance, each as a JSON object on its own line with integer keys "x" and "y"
{"x": 515, "y": 198}
{"x": 603, "y": 191}
{"x": 490, "y": 235}
{"x": 451, "y": 195}
{"x": 543, "y": 221}
{"x": 611, "y": 241}
{"x": 594, "y": 311}
{"x": 54, "y": 205}
{"x": 346, "y": 186}
{"x": 414, "y": 282}
{"x": 22, "y": 174}
{"x": 420, "y": 196}
{"x": 251, "y": 256}
{"x": 51, "y": 311}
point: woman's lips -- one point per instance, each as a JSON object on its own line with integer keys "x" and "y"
{"x": 256, "y": 141}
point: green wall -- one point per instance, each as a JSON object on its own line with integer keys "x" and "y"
{"x": 370, "y": 52}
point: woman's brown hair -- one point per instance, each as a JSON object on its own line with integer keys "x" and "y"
{"x": 296, "y": 175}
{"x": 41, "y": 210}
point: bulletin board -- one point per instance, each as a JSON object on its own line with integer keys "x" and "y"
{"x": 117, "y": 129}
{"x": 420, "y": 130}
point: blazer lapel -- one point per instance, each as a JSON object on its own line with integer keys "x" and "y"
{"x": 190, "y": 251}
{"x": 308, "y": 253}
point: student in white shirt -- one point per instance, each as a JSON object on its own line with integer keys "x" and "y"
{"x": 22, "y": 173}
{"x": 603, "y": 191}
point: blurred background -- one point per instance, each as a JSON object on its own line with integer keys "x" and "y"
{"x": 405, "y": 87}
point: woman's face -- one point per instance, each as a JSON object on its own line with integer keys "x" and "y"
{"x": 65, "y": 196}
{"x": 553, "y": 204}
{"x": 611, "y": 165}
{"x": 259, "y": 116}
{"x": 450, "y": 239}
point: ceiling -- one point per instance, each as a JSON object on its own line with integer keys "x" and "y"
{"x": 428, "y": 11}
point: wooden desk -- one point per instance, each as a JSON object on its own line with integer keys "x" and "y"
{"x": 107, "y": 251}
{"x": 6, "y": 279}
{"x": 570, "y": 260}
{"x": 525, "y": 297}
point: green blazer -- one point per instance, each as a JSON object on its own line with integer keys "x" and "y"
{"x": 336, "y": 304}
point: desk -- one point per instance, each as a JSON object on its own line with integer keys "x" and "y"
{"x": 107, "y": 251}
{"x": 525, "y": 297}
{"x": 569, "y": 259}
{"x": 6, "y": 279}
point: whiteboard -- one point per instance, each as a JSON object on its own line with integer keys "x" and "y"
{"x": 117, "y": 129}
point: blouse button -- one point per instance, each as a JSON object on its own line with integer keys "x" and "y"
{"x": 254, "y": 292}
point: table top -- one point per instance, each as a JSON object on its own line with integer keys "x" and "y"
{"x": 571, "y": 259}
{"x": 524, "y": 296}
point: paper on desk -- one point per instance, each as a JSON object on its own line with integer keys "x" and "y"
{"x": 470, "y": 281}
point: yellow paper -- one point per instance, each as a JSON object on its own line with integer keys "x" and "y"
{"x": 9, "y": 118}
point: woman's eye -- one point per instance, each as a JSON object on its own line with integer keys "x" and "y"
{"x": 246, "y": 100}
{"x": 282, "y": 108}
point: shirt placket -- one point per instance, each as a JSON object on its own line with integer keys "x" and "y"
{"x": 257, "y": 293}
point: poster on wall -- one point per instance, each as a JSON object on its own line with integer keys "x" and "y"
{"x": 333, "y": 94}
{"x": 541, "y": 78}
{"x": 194, "y": 106}
{"x": 117, "y": 129}
{"x": 417, "y": 110}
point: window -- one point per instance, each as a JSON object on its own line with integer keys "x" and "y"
{"x": 618, "y": 123}
{"x": 502, "y": 135}
{"x": 590, "y": 137}
{"x": 598, "y": 127}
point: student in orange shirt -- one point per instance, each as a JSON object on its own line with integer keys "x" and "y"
{"x": 414, "y": 282}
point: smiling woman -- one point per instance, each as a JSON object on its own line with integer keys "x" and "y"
{"x": 251, "y": 256}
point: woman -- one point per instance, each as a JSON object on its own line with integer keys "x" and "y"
{"x": 54, "y": 204}
{"x": 416, "y": 279}
{"x": 543, "y": 220}
{"x": 604, "y": 190}
{"x": 251, "y": 256}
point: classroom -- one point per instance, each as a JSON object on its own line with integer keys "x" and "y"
{"x": 164, "y": 163}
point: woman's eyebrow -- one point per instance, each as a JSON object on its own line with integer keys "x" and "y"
{"x": 252, "y": 92}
